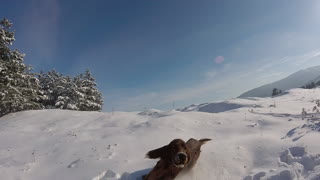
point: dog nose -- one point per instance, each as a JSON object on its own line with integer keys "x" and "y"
{"x": 182, "y": 157}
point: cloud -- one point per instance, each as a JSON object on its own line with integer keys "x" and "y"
{"x": 234, "y": 79}
{"x": 256, "y": 60}
{"x": 300, "y": 60}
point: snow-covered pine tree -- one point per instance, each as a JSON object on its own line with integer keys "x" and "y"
{"x": 50, "y": 83}
{"x": 67, "y": 98}
{"x": 59, "y": 90}
{"x": 19, "y": 89}
{"x": 89, "y": 97}
{"x": 48, "y": 87}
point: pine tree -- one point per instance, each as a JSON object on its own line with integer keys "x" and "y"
{"x": 48, "y": 83}
{"x": 310, "y": 85}
{"x": 59, "y": 90}
{"x": 89, "y": 97}
{"x": 67, "y": 98}
{"x": 19, "y": 88}
{"x": 274, "y": 92}
{"x": 313, "y": 85}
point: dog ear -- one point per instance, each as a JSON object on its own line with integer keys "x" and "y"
{"x": 157, "y": 153}
{"x": 203, "y": 141}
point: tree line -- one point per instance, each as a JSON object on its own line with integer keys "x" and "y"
{"x": 311, "y": 85}
{"x": 21, "y": 89}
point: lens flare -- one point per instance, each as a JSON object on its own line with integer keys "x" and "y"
{"x": 219, "y": 59}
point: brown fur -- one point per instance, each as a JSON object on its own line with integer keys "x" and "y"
{"x": 166, "y": 168}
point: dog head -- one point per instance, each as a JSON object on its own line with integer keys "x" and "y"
{"x": 175, "y": 153}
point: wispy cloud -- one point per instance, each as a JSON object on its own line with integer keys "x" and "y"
{"x": 300, "y": 60}
{"x": 229, "y": 81}
{"x": 247, "y": 63}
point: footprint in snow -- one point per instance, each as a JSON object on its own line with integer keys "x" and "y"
{"x": 294, "y": 163}
{"x": 75, "y": 163}
{"x": 110, "y": 155}
{"x": 111, "y": 149}
{"x": 27, "y": 168}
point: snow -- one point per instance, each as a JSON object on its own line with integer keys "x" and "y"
{"x": 222, "y": 106}
{"x": 295, "y": 163}
{"x": 262, "y": 138}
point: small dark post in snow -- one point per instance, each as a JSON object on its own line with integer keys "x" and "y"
{"x": 34, "y": 156}
{"x": 303, "y": 113}
{"x": 261, "y": 130}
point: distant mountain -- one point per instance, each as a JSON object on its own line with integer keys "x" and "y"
{"x": 295, "y": 80}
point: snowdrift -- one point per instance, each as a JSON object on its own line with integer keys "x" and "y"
{"x": 262, "y": 138}
{"x": 218, "y": 107}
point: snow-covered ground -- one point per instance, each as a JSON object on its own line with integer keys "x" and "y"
{"x": 254, "y": 138}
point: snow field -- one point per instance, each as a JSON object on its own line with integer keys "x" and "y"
{"x": 254, "y": 140}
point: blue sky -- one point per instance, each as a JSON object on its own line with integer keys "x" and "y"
{"x": 148, "y": 53}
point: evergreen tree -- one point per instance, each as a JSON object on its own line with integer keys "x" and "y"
{"x": 59, "y": 90}
{"x": 89, "y": 97}
{"x": 274, "y": 92}
{"x": 48, "y": 82}
{"x": 310, "y": 85}
{"x": 19, "y": 88}
{"x": 67, "y": 98}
